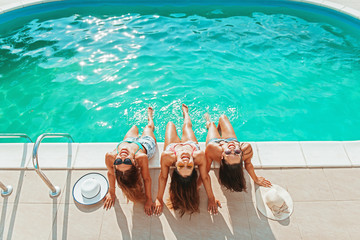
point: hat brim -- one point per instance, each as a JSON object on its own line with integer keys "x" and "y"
{"x": 265, "y": 210}
{"x": 104, "y": 187}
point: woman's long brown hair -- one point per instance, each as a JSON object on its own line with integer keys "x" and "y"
{"x": 232, "y": 176}
{"x": 130, "y": 183}
{"x": 184, "y": 195}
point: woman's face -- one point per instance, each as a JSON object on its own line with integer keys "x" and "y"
{"x": 184, "y": 164}
{"x": 232, "y": 152}
{"x": 124, "y": 153}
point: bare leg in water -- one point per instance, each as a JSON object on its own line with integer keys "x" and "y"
{"x": 150, "y": 127}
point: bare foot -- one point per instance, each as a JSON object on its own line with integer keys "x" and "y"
{"x": 150, "y": 113}
{"x": 185, "y": 109}
{"x": 207, "y": 118}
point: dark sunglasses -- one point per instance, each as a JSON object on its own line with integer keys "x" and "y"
{"x": 127, "y": 161}
{"x": 236, "y": 151}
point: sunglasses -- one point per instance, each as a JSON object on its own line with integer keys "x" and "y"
{"x": 236, "y": 151}
{"x": 127, "y": 161}
{"x": 182, "y": 165}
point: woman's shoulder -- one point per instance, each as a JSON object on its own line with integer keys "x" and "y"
{"x": 111, "y": 154}
{"x": 167, "y": 153}
{"x": 199, "y": 153}
{"x": 110, "y": 158}
{"x": 141, "y": 157}
{"x": 168, "y": 158}
{"x": 247, "y": 152}
{"x": 199, "y": 157}
{"x": 245, "y": 147}
{"x": 213, "y": 147}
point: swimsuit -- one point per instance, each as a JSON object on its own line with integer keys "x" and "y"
{"x": 218, "y": 140}
{"x": 146, "y": 142}
{"x": 171, "y": 147}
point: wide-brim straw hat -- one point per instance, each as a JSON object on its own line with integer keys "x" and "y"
{"x": 90, "y": 188}
{"x": 278, "y": 193}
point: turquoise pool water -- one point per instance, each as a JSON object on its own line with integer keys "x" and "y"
{"x": 278, "y": 74}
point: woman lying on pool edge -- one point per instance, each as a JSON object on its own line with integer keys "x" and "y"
{"x": 184, "y": 154}
{"x": 222, "y": 146}
{"x": 128, "y": 161}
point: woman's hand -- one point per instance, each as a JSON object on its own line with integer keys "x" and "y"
{"x": 213, "y": 206}
{"x": 263, "y": 182}
{"x": 148, "y": 207}
{"x": 158, "y": 206}
{"x": 109, "y": 200}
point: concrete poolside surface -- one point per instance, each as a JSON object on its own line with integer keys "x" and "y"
{"x": 326, "y": 206}
{"x": 326, "y": 200}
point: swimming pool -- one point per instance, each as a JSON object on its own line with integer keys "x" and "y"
{"x": 279, "y": 73}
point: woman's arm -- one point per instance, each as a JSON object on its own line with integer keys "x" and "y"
{"x": 200, "y": 160}
{"x": 165, "y": 159}
{"x": 145, "y": 173}
{"x": 248, "y": 153}
{"x": 110, "y": 196}
{"x": 212, "y": 153}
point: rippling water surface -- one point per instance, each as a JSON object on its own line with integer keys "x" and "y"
{"x": 276, "y": 76}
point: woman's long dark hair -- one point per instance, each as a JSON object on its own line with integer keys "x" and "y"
{"x": 232, "y": 176}
{"x": 130, "y": 183}
{"x": 184, "y": 195}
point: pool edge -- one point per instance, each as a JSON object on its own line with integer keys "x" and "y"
{"x": 267, "y": 155}
{"x": 348, "y": 8}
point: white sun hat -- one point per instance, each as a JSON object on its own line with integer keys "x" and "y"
{"x": 90, "y": 188}
{"x": 274, "y": 202}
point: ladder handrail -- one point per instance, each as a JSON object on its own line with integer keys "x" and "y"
{"x": 6, "y": 190}
{"x": 15, "y": 135}
{"x": 54, "y": 190}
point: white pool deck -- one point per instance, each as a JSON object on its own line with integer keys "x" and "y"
{"x": 323, "y": 179}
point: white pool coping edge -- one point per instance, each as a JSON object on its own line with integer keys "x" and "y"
{"x": 305, "y": 154}
{"x": 7, "y": 6}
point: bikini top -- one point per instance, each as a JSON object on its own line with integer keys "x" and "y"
{"x": 218, "y": 140}
{"x": 172, "y": 148}
{"x": 129, "y": 141}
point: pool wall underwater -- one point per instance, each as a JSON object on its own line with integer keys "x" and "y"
{"x": 266, "y": 154}
{"x": 348, "y": 7}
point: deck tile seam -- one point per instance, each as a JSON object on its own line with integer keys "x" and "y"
{"x": 258, "y": 154}
{"x": 101, "y": 224}
{"x": 303, "y": 154}
{"x": 54, "y": 217}
{"x": 346, "y": 153}
{"x": 75, "y": 158}
{"x": 247, "y": 214}
{"x": 248, "y": 220}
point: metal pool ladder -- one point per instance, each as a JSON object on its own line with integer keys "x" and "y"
{"x": 15, "y": 135}
{"x": 54, "y": 190}
{"x": 7, "y": 190}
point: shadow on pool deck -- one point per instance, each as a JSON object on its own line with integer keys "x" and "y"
{"x": 129, "y": 221}
{"x": 325, "y": 207}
